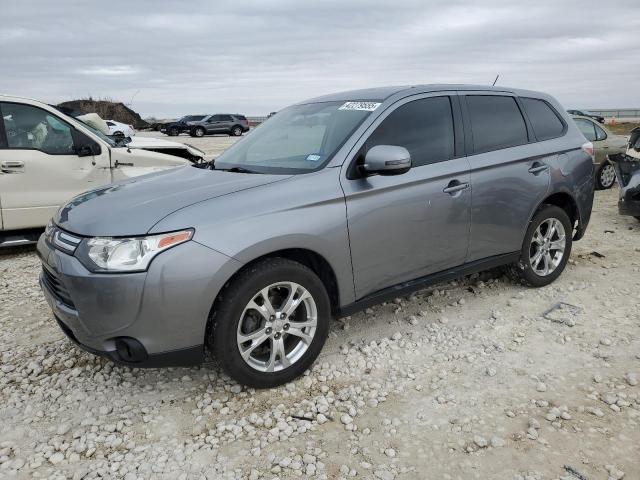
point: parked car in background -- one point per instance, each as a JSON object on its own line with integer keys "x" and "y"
{"x": 47, "y": 157}
{"x": 332, "y": 205}
{"x": 586, "y": 113}
{"x": 230, "y": 124}
{"x": 181, "y": 125}
{"x": 118, "y": 129}
{"x": 606, "y": 146}
{"x": 628, "y": 172}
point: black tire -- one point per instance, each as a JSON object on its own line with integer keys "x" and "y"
{"x": 603, "y": 178}
{"x": 229, "y": 307}
{"x": 173, "y": 132}
{"x": 523, "y": 271}
{"x": 236, "y": 131}
{"x": 198, "y": 132}
{"x": 118, "y": 134}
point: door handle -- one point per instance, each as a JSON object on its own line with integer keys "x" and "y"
{"x": 538, "y": 167}
{"x": 455, "y": 186}
{"x": 12, "y": 166}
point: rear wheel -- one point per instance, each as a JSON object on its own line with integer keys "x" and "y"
{"x": 236, "y": 131}
{"x": 270, "y": 323}
{"x": 606, "y": 176}
{"x": 546, "y": 248}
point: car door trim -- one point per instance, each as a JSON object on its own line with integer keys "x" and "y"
{"x": 420, "y": 283}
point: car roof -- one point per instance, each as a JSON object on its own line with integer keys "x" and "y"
{"x": 382, "y": 93}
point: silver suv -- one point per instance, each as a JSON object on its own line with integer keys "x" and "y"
{"x": 334, "y": 204}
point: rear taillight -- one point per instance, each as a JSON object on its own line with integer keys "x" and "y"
{"x": 588, "y": 148}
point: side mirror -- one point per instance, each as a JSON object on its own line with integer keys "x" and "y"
{"x": 83, "y": 145}
{"x": 387, "y": 160}
{"x": 84, "y": 151}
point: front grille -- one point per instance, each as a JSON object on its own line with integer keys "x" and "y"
{"x": 61, "y": 240}
{"x": 56, "y": 287}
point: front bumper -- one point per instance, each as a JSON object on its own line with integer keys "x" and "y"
{"x": 628, "y": 174}
{"x": 629, "y": 203}
{"x": 155, "y": 318}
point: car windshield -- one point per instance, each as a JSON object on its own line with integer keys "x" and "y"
{"x": 111, "y": 141}
{"x": 74, "y": 114}
{"x": 300, "y": 139}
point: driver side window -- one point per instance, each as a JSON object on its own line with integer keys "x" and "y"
{"x": 31, "y": 128}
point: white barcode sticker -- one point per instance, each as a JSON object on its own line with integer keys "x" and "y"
{"x": 362, "y": 106}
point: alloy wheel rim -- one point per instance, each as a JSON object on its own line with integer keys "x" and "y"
{"x": 607, "y": 175}
{"x": 277, "y": 327}
{"x": 547, "y": 247}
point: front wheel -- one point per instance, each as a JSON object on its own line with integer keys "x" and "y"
{"x": 270, "y": 323}
{"x": 605, "y": 177}
{"x": 198, "y": 132}
{"x": 545, "y": 249}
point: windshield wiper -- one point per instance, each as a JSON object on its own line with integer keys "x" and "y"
{"x": 236, "y": 170}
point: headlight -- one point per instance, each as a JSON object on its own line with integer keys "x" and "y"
{"x": 128, "y": 254}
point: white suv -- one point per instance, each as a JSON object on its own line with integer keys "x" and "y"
{"x": 48, "y": 157}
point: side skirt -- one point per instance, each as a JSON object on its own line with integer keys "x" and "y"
{"x": 423, "y": 282}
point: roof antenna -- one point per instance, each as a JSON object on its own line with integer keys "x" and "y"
{"x": 494, "y": 82}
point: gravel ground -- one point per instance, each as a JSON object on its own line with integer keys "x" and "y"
{"x": 466, "y": 380}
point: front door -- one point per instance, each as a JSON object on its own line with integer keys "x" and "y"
{"x": 214, "y": 124}
{"x": 407, "y": 226}
{"x": 39, "y": 169}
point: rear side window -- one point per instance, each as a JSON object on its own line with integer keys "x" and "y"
{"x": 587, "y": 128}
{"x": 496, "y": 122}
{"x": 545, "y": 122}
{"x": 424, "y": 127}
{"x": 600, "y": 133}
{"x": 226, "y": 118}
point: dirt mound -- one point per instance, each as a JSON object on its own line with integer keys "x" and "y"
{"x": 108, "y": 110}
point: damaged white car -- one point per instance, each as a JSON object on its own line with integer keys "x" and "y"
{"x": 47, "y": 157}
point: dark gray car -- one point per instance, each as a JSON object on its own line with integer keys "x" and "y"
{"x": 230, "y": 124}
{"x": 334, "y": 204}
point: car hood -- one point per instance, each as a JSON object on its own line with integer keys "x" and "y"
{"x": 134, "y": 206}
{"x": 158, "y": 144}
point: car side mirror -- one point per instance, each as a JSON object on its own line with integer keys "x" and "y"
{"x": 387, "y": 160}
{"x": 84, "y": 151}
{"x": 85, "y": 146}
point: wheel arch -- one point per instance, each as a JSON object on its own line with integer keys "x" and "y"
{"x": 565, "y": 201}
{"x": 311, "y": 259}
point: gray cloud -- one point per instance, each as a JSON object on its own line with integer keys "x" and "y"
{"x": 255, "y": 56}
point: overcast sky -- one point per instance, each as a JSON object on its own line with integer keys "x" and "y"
{"x": 172, "y": 58}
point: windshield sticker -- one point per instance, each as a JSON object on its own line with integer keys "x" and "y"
{"x": 362, "y": 106}
{"x": 314, "y": 157}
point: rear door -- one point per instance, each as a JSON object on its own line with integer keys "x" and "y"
{"x": 406, "y": 226}
{"x": 226, "y": 123}
{"x": 509, "y": 174}
{"x": 39, "y": 169}
{"x": 597, "y": 136}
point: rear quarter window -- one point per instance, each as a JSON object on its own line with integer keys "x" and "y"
{"x": 496, "y": 122}
{"x": 545, "y": 122}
